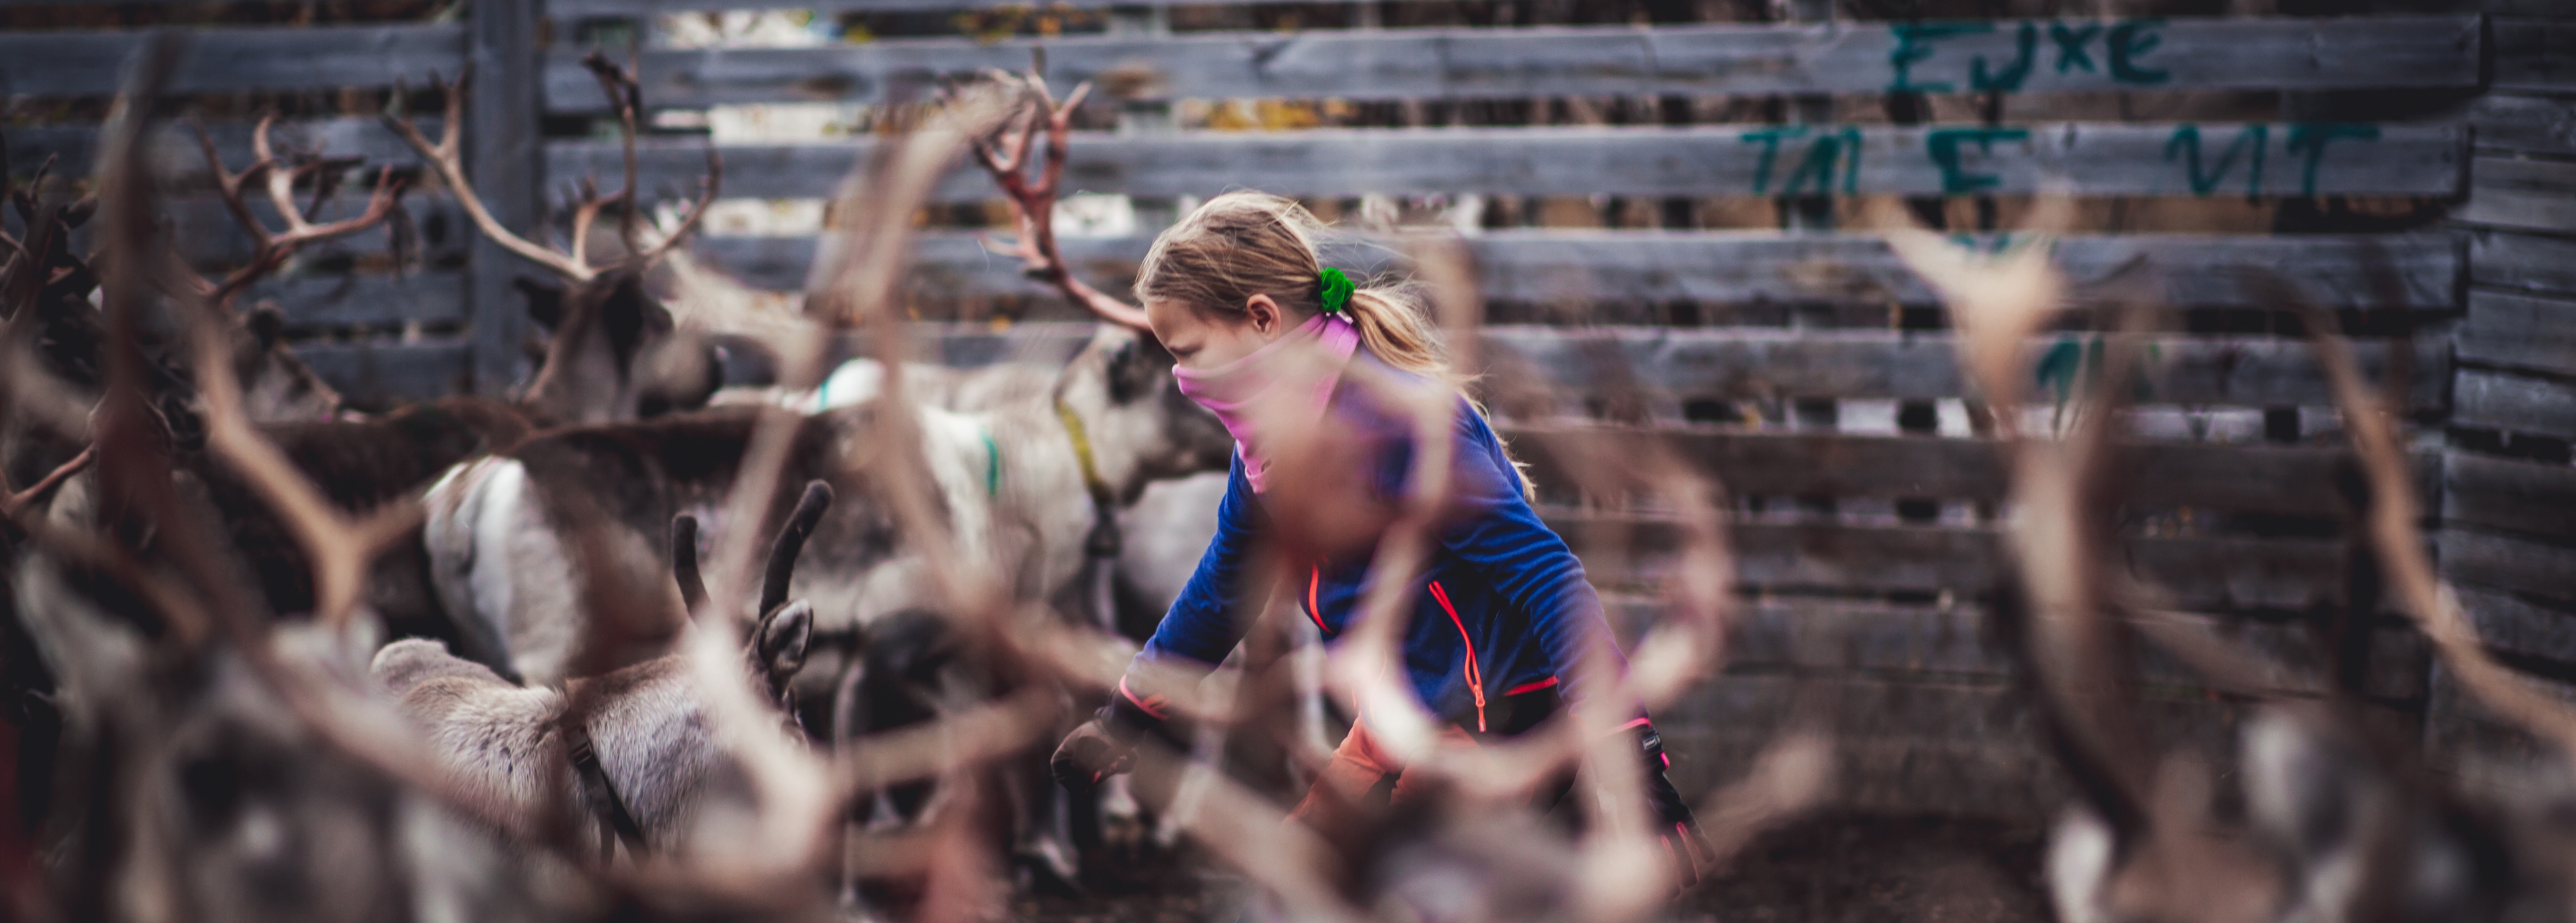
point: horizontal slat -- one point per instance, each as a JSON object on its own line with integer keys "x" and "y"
{"x": 1461, "y": 63}
{"x": 1743, "y": 363}
{"x": 2510, "y": 494}
{"x": 2500, "y": 562}
{"x": 207, "y": 234}
{"x": 1570, "y": 268}
{"x": 2519, "y": 626}
{"x": 1891, "y": 641}
{"x": 1957, "y": 748}
{"x": 228, "y": 60}
{"x": 319, "y": 301}
{"x": 2516, "y": 404}
{"x": 2524, "y": 124}
{"x": 2085, "y": 159}
{"x": 175, "y": 156}
{"x": 1747, "y": 363}
{"x": 2534, "y": 54}
{"x": 2522, "y": 331}
{"x": 2516, "y": 261}
{"x": 625, "y": 9}
{"x": 2517, "y": 192}
{"x": 2254, "y": 478}
{"x": 376, "y": 373}
{"x": 2201, "y": 573}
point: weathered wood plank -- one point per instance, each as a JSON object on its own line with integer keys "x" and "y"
{"x": 2519, "y": 262}
{"x": 625, "y": 9}
{"x": 1574, "y": 268}
{"x": 331, "y": 301}
{"x": 2519, "y": 331}
{"x": 2518, "y": 626}
{"x": 1464, "y": 63}
{"x": 2534, "y": 54}
{"x": 207, "y": 235}
{"x": 2519, "y": 192}
{"x": 2219, "y": 573}
{"x": 174, "y": 156}
{"x": 2524, "y": 124}
{"x": 2494, "y": 400}
{"x": 1932, "y": 643}
{"x": 221, "y": 60}
{"x": 2509, "y": 494}
{"x": 2256, "y": 478}
{"x": 1910, "y": 746}
{"x": 2087, "y": 159}
{"x": 380, "y": 372}
{"x": 1756, "y": 363}
{"x": 2502, "y": 562}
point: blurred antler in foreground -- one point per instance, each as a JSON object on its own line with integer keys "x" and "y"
{"x": 2399, "y": 542}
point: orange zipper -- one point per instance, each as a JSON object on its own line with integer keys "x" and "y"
{"x": 1475, "y": 676}
{"x": 1315, "y": 577}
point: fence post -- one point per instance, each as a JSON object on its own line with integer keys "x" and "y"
{"x": 502, "y": 152}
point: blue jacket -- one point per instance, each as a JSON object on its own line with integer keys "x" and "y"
{"x": 1502, "y": 610}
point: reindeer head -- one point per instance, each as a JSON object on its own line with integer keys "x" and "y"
{"x": 275, "y": 384}
{"x": 776, "y": 647}
{"x": 613, "y": 351}
{"x": 1122, "y": 386}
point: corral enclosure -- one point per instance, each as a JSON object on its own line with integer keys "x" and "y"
{"x": 1667, "y": 203}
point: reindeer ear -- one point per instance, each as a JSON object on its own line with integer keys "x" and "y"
{"x": 267, "y": 325}
{"x": 783, "y": 636}
{"x": 1136, "y": 368}
{"x": 545, "y": 302}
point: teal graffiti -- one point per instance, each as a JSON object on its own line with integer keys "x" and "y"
{"x": 1996, "y": 244}
{"x": 1943, "y": 146}
{"x": 2310, "y": 138}
{"x": 1815, "y": 166}
{"x": 2079, "y": 361}
{"x": 2250, "y": 144}
{"x": 1914, "y": 46}
{"x": 2070, "y": 44}
{"x": 2129, "y": 40}
{"x": 2011, "y": 77}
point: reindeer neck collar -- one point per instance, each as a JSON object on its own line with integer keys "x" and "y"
{"x": 1104, "y": 540}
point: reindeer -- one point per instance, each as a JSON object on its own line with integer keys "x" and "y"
{"x": 615, "y": 352}
{"x": 636, "y": 737}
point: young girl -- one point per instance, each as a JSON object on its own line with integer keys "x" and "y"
{"x": 1502, "y": 614}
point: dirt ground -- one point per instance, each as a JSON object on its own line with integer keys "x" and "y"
{"x": 1843, "y": 868}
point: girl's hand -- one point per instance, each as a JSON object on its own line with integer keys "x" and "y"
{"x": 1089, "y": 756}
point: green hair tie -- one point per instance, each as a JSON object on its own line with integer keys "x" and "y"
{"x": 1334, "y": 290}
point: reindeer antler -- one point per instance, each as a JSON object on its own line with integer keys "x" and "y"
{"x": 1033, "y": 203}
{"x": 791, "y": 542}
{"x": 273, "y": 247}
{"x": 625, "y": 96}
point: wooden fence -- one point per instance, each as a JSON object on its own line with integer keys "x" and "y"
{"x": 1805, "y": 367}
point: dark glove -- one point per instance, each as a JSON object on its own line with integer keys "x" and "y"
{"x": 1674, "y": 825}
{"x": 1103, "y": 746}
{"x": 1089, "y": 756}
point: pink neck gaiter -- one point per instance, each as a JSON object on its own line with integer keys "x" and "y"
{"x": 1231, "y": 390}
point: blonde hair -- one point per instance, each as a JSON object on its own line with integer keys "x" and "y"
{"x": 1242, "y": 244}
